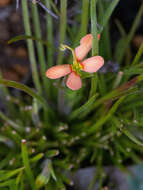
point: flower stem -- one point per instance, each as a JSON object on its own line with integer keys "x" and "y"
{"x": 40, "y": 49}
{"x": 49, "y": 29}
{"x": 63, "y": 20}
{"x": 94, "y": 43}
{"x": 30, "y": 46}
{"x": 94, "y": 27}
{"x": 63, "y": 47}
{"x": 84, "y": 17}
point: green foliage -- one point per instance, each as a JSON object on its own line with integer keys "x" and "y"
{"x": 51, "y": 130}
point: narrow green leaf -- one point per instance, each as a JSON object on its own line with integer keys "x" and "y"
{"x": 19, "y": 178}
{"x": 26, "y": 163}
{"x": 138, "y": 55}
{"x": 4, "y": 175}
{"x": 83, "y": 108}
{"x": 42, "y": 180}
{"x": 102, "y": 120}
{"x": 50, "y": 166}
{"x": 7, "y": 183}
{"x": 45, "y": 175}
{"x": 10, "y": 122}
{"x": 132, "y": 138}
{"x": 26, "y": 89}
{"x": 37, "y": 157}
{"x": 120, "y": 28}
{"x": 26, "y": 37}
{"x": 109, "y": 12}
{"x": 52, "y": 153}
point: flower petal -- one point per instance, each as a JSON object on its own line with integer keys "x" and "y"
{"x": 74, "y": 81}
{"x": 87, "y": 38}
{"x": 92, "y": 64}
{"x": 58, "y": 71}
{"x": 82, "y": 50}
{"x": 85, "y": 46}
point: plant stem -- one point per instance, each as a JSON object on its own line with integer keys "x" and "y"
{"x": 50, "y": 51}
{"x": 84, "y": 17}
{"x": 63, "y": 22}
{"x": 94, "y": 43}
{"x": 94, "y": 27}
{"x": 108, "y": 12}
{"x": 30, "y": 46}
{"x": 37, "y": 30}
{"x": 49, "y": 29}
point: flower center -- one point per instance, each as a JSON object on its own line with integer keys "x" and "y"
{"x": 76, "y": 67}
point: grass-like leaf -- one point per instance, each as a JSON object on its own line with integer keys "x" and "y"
{"x": 26, "y": 163}
{"x": 4, "y": 175}
{"x": 132, "y": 137}
{"x": 26, "y": 37}
{"x": 109, "y": 12}
{"x": 84, "y": 108}
{"x": 24, "y": 88}
{"x": 102, "y": 120}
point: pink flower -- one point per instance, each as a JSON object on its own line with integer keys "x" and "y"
{"x": 89, "y": 65}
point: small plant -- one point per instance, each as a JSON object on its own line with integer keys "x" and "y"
{"x": 51, "y": 130}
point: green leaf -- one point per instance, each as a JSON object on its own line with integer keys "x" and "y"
{"x": 42, "y": 180}
{"x": 133, "y": 71}
{"x": 52, "y": 153}
{"x": 19, "y": 178}
{"x": 52, "y": 170}
{"x": 45, "y": 175}
{"x": 25, "y": 37}
{"x": 10, "y": 122}
{"x": 26, "y": 163}
{"x": 4, "y": 174}
{"x": 104, "y": 119}
{"x": 109, "y": 12}
{"x": 83, "y": 108}
{"x": 26, "y": 89}
{"x": 132, "y": 138}
{"x": 7, "y": 183}
{"x": 138, "y": 55}
{"x": 37, "y": 157}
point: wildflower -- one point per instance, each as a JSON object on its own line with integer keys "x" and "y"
{"x": 89, "y": 65}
